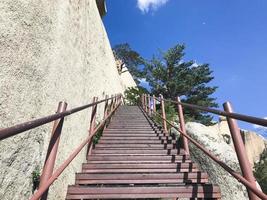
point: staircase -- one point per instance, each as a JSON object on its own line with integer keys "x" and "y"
{"x": 134, "y": 159}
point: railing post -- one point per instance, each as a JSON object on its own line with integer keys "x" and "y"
{"x": 149, "y": 104}
{"x": 106, "y": 107}
{"x": 92, "y": 124}
{"x": 240, "y": 150}
{"x": 145, "y": 103}
{"x": 111, "y": 103}
{"x": 182, "y": 125}
{"x": 52, "y": 149}
{"x": 115, "y": 102}
{"x": 142, "y": 101}
{"x": 154, "y": 104}
{"x": 163, "y": 113}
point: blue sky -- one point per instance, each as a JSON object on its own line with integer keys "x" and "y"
{"x": 229, "y": 35}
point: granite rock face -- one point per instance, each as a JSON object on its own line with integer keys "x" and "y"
{"x": 254, "y": 143}
{"x": 50, "y": 51}
{"x": 213, "y": 141}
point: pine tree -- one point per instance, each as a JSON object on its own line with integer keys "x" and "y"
{"x": 131, "y": 59}
{"x": 171, "y": 76}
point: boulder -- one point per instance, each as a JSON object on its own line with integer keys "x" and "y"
{"x": 215, "y": 142}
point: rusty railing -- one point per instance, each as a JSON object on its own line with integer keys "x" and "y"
{"x": 49, "y": 175}
{"x": 247, "y": 178}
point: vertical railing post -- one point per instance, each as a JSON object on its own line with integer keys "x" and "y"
{"x": 106, "y": 107}
{"x": 92, "y": 124}
{"x": 149, "y": 105}
{"x": 145, "y": 103}
{"x": 52, "y": 149}
{"x": 163, "y": 113}
{"x": 144, "y": 108}
{"x": 105, "y": 110}
{"x": 154, "y": 104}
{"x": 111, "y": 103}
{"x": 240, "y": 150}
{"x": 122, "y": 99}
{"x": 182, "y": 125}
{"x": 142, "y": 100}
{"x": 115, "y": 101}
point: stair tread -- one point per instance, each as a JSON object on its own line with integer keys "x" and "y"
{"x": 182, "y": 191}
{"x": 135, "y": 160}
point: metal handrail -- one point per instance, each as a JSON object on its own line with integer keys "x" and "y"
{"x": 246, "y": 118}
{"x": 48, "y": 177}
{"x": 247, "y": 179}
{"x": 235, "y": 174}
{"x": 62, "y": 167}
{"x": 19, "y": 128}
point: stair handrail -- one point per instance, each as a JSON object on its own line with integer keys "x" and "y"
{"x": 38, "y": 194}
{"x": 20, "y": 128}
{"x": 48, "y": 175}
{"x": 242, "y": 117}
{"x": 247, "y": 179}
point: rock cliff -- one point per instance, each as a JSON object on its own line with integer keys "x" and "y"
{"x": 218, "y": 140}
{"x": 50, "y": 51}
{"x": 254, "y": 143}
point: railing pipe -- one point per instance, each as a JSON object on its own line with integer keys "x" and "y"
{"x": 106, "y": 107}
{"x": 63, "y": 166}
{"x": 145, "y": 102}
{"x": 182, "y": 125}
{"x": 163, "y": 114}
{"x": 236, "y": 175}
{"x": 112, "y": 103}
{"x": 19, "y": 128}
{"x": 142, "y": 100}
{"x": 92, "y": 124}
{"x": 149, "y": 104}
{"x": 52, "y": 149}
{"x": 240, "y": 150}
{"x": 93, "y": 116}
{"x": 154, "y": 104}
{"x": 245, "y": 118}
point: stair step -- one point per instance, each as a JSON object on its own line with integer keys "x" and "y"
{"x": 133, "y": 135}
{"x": 144, "y": 178}
{"x": 136, "y": 145}
{"x": 137, "y": 151}
{"x": 134, "y": 131}
{"x": 140, "y": 170}
{"x": 140, "y": 166}
{"x": 183, "y": 191}
{"x": 102, "y": 141}
{"x": 108, "y": 137}
{"x": 137, "y": 157}
{"x": 134, "y": 159}
{"x": 133, "y": 167}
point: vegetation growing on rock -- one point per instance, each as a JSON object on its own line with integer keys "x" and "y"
{"x": 260, "y": 172}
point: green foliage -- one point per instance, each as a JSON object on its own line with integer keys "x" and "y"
{"x": 131, "y": 58}
{"x": 171, "y": 76}
{"x": 170, "y": 111}
{"x": 36, "y": 179}
{"x": 98, "y": 135}
{"x": 260, "y": 172}
{"x": 132, "y": 95}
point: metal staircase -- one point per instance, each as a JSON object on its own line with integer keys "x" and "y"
{"x": 134, "y": 159}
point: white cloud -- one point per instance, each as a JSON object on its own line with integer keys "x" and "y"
{"x": 146, "y": 5}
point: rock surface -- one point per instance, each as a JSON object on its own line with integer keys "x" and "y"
{"x": 213, "y": 141}
{"x": 50, "y": 51}
{"x": 254, "y": 143}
